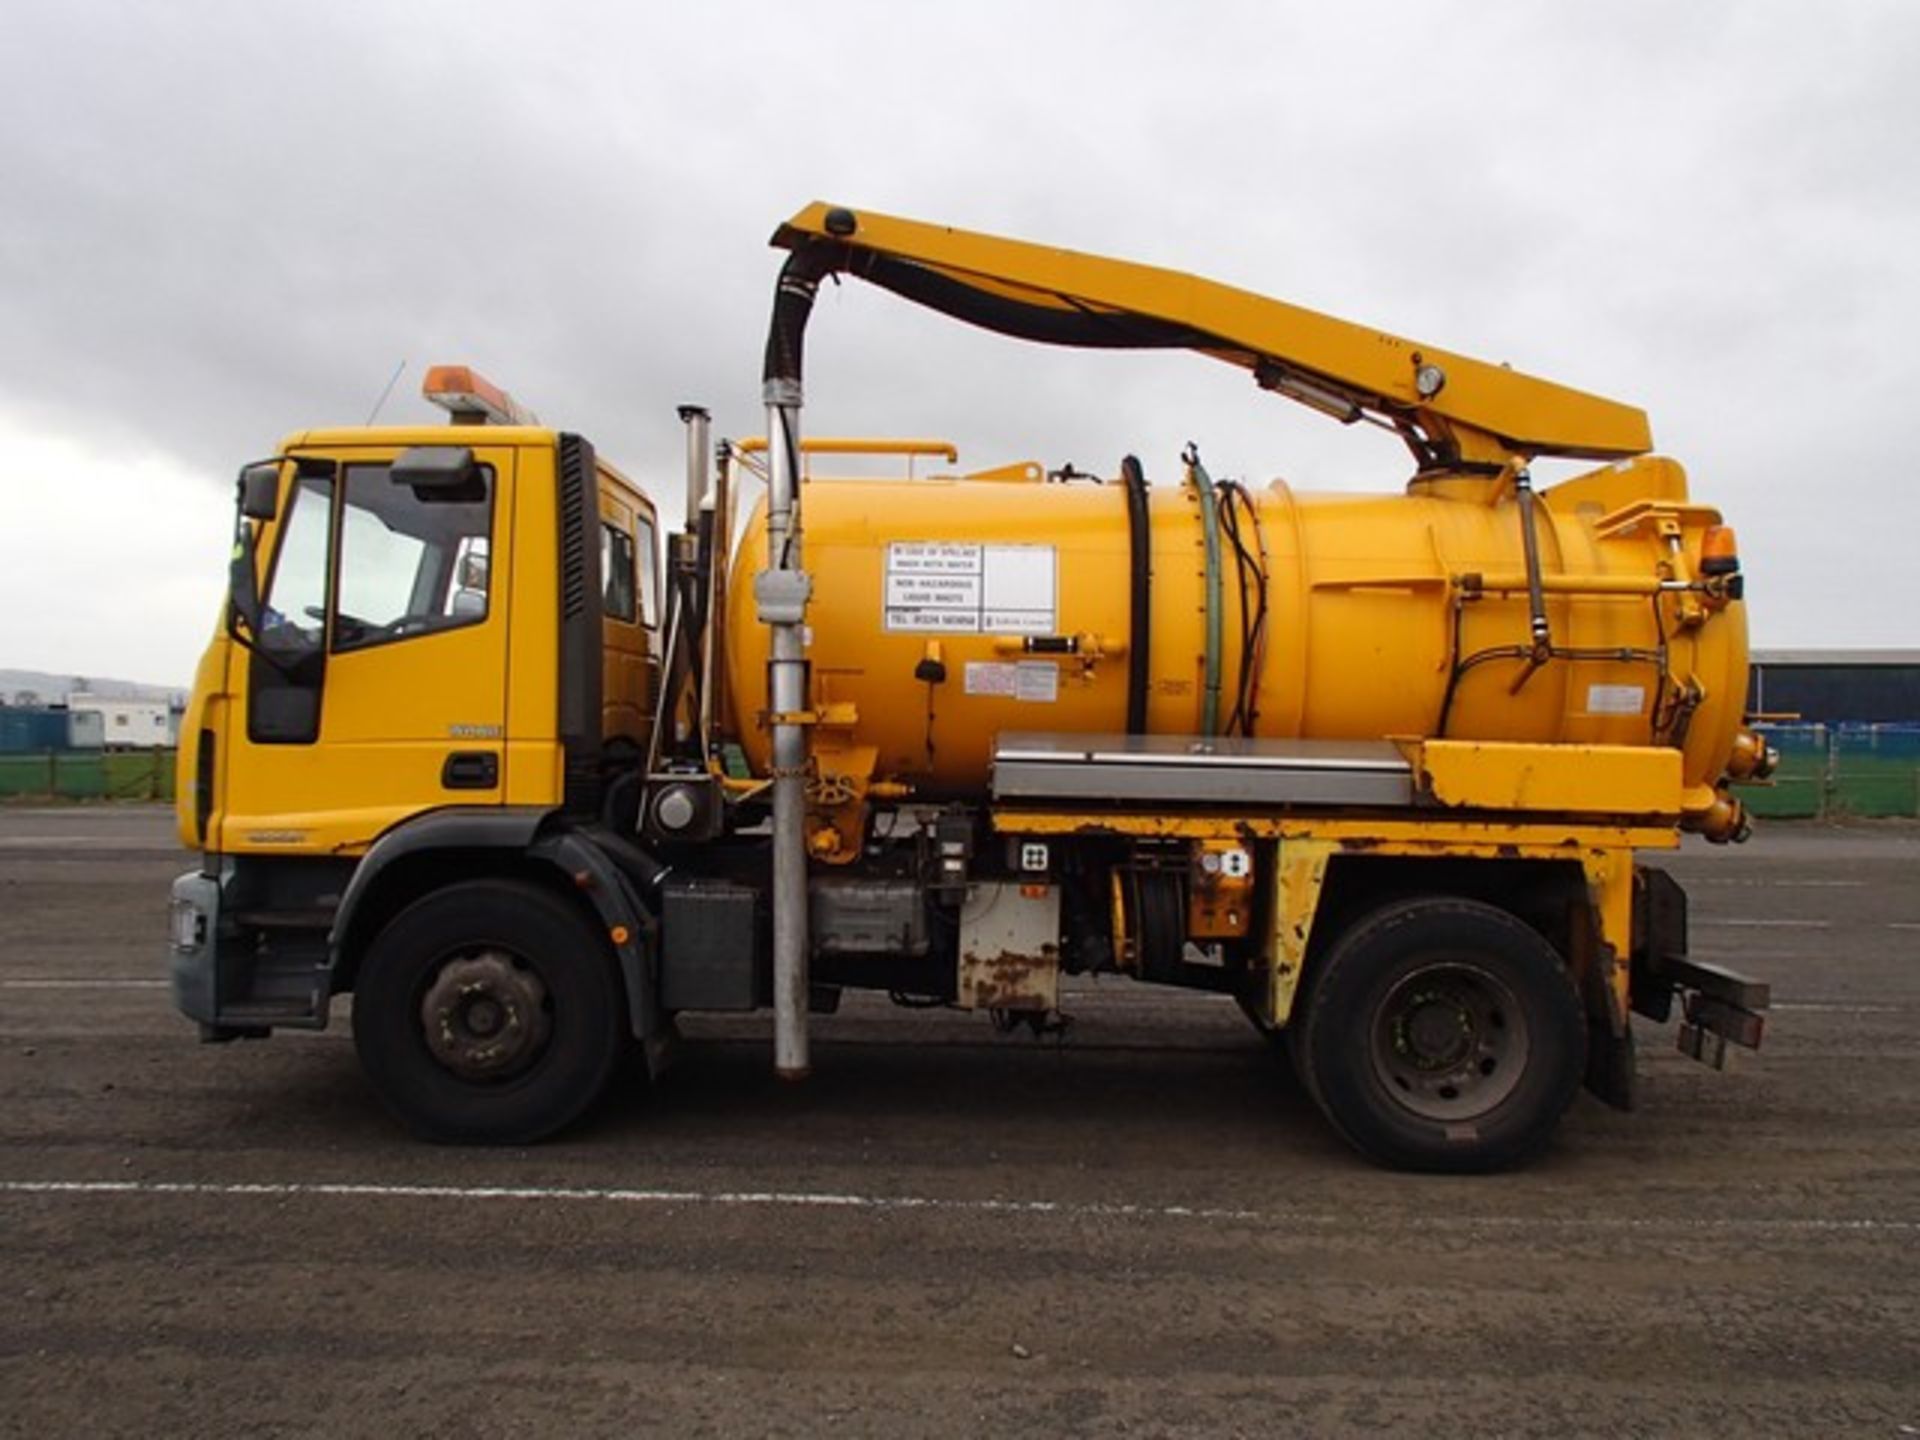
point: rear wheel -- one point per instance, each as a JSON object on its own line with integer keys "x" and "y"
{"x": 488, "y": 1013}
{"x": 1443, "y": 1034}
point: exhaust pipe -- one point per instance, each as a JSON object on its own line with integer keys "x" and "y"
{"x": 696, "y": 421}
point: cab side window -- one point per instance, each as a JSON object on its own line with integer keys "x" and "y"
{"x": 283, "y": 693}
{"x": 296, "y": 597}
{"x": 649, "y": 575}
{"x": 616, "y": 570}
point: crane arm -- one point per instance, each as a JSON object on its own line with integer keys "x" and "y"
{"x": 1455, "y": 412}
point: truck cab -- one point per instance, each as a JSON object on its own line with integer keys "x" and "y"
{"x": 431, "y": 627}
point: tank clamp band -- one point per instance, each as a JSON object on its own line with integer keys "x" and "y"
{"x": 835, "y": 714}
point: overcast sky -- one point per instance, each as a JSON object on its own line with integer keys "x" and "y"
{"x": 222, "y": 222}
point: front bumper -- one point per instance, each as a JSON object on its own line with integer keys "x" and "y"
{"x": 193, "y": 925}
{"x": 241, "y": 972}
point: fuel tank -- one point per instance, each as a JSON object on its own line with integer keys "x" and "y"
{"x": 945, "y": 611}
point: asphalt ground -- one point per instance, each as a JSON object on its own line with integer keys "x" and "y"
{"x": 1144, "y": 1229}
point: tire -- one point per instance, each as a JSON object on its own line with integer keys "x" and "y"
{"x": 529, "y": 1013}
{"x": 1443, "y": 1035}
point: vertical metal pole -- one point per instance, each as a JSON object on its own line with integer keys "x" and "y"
{"x": 787, "y": 696}
{"x": 1829, "y": 772}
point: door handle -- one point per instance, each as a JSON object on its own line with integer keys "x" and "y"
{"x": 471, "y": 770}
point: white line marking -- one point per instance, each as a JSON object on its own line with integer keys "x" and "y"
{"x": 1766, "y": 924}
{"x": 1903, "y": 925}
{"x": 802, "y": 1199}
{"x": 782, "y": 1198}
{"x": 83, "y": 984}
{"x": 1785, "y": 884}
{"x": 1825, "y": 1007}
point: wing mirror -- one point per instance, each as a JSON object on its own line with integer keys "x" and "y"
{"x": 260, "y": 490}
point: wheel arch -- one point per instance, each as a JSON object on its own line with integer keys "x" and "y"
{"x": 1548, "y": 895}
{"x": 435, "y": 850}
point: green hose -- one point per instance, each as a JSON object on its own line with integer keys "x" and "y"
{"x": 1210, "y": 528}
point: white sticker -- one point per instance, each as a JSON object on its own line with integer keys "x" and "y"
{"x": 990, "y": 677}
{"x": 1616, "y": 699}
{"x": 941, "y": 585}
{"x": 1034, "y": 680}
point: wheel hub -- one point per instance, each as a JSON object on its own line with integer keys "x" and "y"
{"x": 485, "y": 1017}
{"x": 1436, "y": 1033}
{"x": 1450, "y": 1042}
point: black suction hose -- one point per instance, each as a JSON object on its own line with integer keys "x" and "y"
{"x": 792, "y": 305}
{"x": 1140, "y": 593}
{"x": 1537, "y": 627}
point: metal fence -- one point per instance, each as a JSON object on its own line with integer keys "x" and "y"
{"x": 1826, "y": 771}
{"x": 88, "y": 775}
{"x": 1830, "y": 771}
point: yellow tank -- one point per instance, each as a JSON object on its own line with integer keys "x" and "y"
{"x": 1376, "y": 608}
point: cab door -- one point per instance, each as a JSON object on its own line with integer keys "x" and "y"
{"x": 386, "y": 695}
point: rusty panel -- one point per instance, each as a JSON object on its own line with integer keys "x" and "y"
{"x": 1572, "y": 779}
{"x": 1010, "y": 947}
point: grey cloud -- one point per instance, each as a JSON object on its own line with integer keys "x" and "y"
{"x": 225, "y": 221}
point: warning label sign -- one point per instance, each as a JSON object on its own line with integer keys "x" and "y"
{"x": 1616, "y": 699}
{"x": 1033, "y": 680}
{"x": 939, "y": 585}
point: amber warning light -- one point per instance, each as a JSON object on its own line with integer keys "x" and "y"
{"x": 472, "y": 399}
{"x": 1719, "y": 551}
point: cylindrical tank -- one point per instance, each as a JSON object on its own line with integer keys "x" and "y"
{"x": 1376, "y": 607}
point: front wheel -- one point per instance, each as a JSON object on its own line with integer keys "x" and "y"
{"x": 1443, "y": 1034}
{"x": 488, "y": 1013}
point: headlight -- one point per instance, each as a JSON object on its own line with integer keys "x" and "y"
{"x": 189, "y": 925}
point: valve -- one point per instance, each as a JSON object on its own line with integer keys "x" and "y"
{"x": 1723, "y": 822}
{"x": 1752, "y": 758}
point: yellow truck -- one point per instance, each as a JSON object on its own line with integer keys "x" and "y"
{"x": 472, "y": 746}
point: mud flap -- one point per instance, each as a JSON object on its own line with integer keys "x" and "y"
{"x": 1611, "y": 1071}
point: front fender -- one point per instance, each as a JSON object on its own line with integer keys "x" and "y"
{"x": 516, "y": 838}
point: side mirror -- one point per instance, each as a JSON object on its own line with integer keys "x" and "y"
{"x": 447, "y": 474}
{"x": 260, "y": 490}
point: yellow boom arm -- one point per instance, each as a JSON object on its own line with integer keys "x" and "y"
{"x": 1453, "y": 411}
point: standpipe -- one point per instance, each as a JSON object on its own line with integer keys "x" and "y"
{"x": 780, "y": 592}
